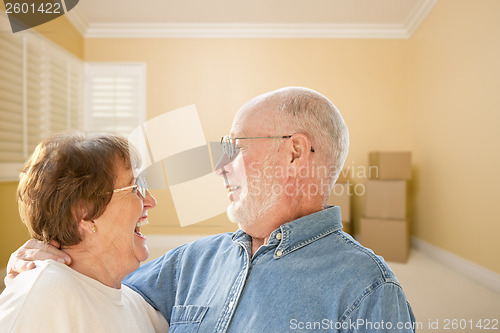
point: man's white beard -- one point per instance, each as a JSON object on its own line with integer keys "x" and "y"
{"x": 256, "y": 200}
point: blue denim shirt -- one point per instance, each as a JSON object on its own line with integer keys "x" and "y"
{"x": 310, "y": 277}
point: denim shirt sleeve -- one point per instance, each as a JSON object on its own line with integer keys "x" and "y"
{"x": 383, "y": 309}
{"x": 156, "y": 281}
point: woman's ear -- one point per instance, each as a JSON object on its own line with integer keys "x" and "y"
{"x": 80, "y": 212}
{"x": 87, "y": 226}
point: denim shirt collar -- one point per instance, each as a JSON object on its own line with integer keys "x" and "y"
{"x": 299, "y": 232}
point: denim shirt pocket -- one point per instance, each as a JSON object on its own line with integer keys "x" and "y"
{"x": 186, "y": 318}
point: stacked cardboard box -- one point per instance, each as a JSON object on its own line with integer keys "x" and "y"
{"x": 341, "y": 196}
{"x": 385, "y": 227}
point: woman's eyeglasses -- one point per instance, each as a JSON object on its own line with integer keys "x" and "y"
{"x": 140, "y": 187}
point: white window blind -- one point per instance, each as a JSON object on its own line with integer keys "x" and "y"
{"x": 35, "y": 84}
{"x": 115, "y": 101}
{"x": 41, "y": 93}
{"x": 11, "y": 99}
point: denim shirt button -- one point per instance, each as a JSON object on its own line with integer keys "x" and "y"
{"x": 279, "y": 253}
{"x": 278, "y": 235}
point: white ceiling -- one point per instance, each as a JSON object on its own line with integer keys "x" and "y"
{"x": 250, "y": 18}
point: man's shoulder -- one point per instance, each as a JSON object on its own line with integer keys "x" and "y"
{"x": 211, "y": 239}
{"x": 196, "y": 250}
{"x": 209, "y": 245}
{"x": 353, "y": 256}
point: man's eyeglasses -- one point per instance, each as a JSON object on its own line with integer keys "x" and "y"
{"x": 140, "y": 187}
{"x": 231, "y": 149}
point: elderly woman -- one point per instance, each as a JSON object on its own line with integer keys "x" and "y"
{"x": 81, "y": 191}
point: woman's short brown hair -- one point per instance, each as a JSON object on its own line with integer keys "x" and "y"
{"x": 69, "y": 177}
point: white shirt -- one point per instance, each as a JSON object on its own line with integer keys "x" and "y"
{"x": 55, "y": 298}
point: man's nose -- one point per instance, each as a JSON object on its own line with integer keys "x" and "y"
{"x": 222, "y": 165}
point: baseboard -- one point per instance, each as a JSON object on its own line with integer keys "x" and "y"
{"x": 466, "y": 268}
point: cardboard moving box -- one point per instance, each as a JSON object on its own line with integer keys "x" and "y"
{"x": 347, "y": 227}
{"x": 389, "y": 165}
{"x": 341, "y": 196}
{"x": 386, "y": 199}
{"x": 387, "y": 238}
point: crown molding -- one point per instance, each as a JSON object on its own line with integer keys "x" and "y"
{"x": 418, "y": 15}
{"x": 237, "y": 30}
{"x": 78, "y": 20}
{"x": 253, "y": 30}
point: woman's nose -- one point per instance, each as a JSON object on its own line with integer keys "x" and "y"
{"x": 149, "y": 201}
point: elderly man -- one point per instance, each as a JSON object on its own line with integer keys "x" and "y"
{"x": 289, "y": 267}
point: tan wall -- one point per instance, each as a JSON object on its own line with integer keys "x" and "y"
{"x": 454, "y": 107}
{"x": 61, "y": 32}
{"x": 366, "y": 79}
{"x": 14, "y": 233}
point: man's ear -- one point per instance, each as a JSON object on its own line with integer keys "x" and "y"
{"x": 300, "y": 148}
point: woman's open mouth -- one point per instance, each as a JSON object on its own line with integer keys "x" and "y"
{"x": 137, "y": 232}
{"x": 142, "y": 221}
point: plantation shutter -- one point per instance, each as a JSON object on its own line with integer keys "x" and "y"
{"x": 115, "y": 97}
{"x": 41, "y": 93}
